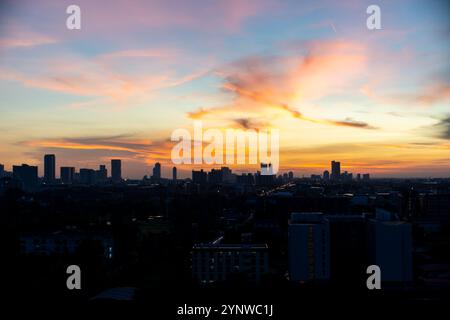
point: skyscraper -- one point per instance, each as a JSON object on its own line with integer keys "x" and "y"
{"x": 174, "y": 173}
{"x": 67, "y": 174}
{"x": 390, "y": 246}
{"x": 326, "y": 175}
{"x": 102, "y": 174}
{"x": 335, "y": 170}
{"x": 49, "y": 168}
{"x": 199, "y": 177}
{"x": 88, "y": 176}
{"x": 116, "y": 170}
{"x": 2, "y": 170}
{"x": 27, "y": 175}
{"x": 309, "y": 247}
{"x": 157, "y": 171}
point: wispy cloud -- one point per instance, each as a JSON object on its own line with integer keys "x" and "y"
{"x": 29, "y": 40}
{"x": 262, "y": 85}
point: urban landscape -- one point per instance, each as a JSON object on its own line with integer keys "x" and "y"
{"x": 220, "y": 230}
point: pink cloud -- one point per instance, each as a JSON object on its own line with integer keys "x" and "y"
{"x": 264, "y": 85}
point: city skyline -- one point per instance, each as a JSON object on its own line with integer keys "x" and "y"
{"x": 377, "y": 100}
{"x": 158, "y": 171}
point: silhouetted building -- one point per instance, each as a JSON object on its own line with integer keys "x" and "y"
{"x": 157, "y": 172}
{"x": 102, "y": 174}
{"x": 309, "y": 247}
{"x": 2, "y": 170}
{"x": 366, "y": 177}
{"x": 49, "y": 168}
{"x": 348, "y": 261}
{"x": 435, "y": 206}
{"x": 346, "y": 176}
{"x": 326, "y": 175}
{"x": 199, "y": 177}
{"x": 67, "y": 174}
{"x": 116, "y": 170}
{"x": 245, "y": 179}
{"x": 265, "y": 177}
{"x": 27, "y": 175}
{"x": 227, "y": 175}
{"x": 218, "y": 262}
{"x": 88, "y": 176}
{"x": 291, "y": 175}
{"x": 335, "y": 170}
{"x": 215, "y": 176}
{"x": 174, "y": 173}
{"x": 390, "y": 247}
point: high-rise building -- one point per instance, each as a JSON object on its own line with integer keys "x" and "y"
{"x": 348, "y": 248}
{"x": 27, "y": 176}
{"x": 199, "y": 177}
{"x": 87, "y": 176}
{"x": 2, "y": 170}
{"x": 102, "y": 174}
{"x": 335, "y": 170}
{"x": 49, "y": 168}
{"x": 174, "y": 173}
{"x": 217, "y": 262}
{"x": 366, "y": 177}
{"x": 309, "y": 247}
{"x": 116, "y": 170}
{"x": 157, "y": 172}
{"x": 67, "y": 174}
{"x": 390, "y": 247}
{"x": 291, "y": 175}
{"x": 326, "y": 175}
{"x": 215, "y": 176}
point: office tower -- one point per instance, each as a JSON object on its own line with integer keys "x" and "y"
{"x": 348, "y": 246}
{"x": 102, "y": 174}
{"x": 157, "y": 171}
{"x": 215, "y": 177}
{"x": 49, "y": 168}
{"x": 309, "y": 247}
{"x": 390, "y": 247}
{"x": 326, "y": 175}
{"x": 366, "y": 177}
{"x": 347, "y": 176}
{"x": 217, "y": 262}
{"x": 27, "y": 176}
{"x": 88, "y": 176}
{"x": 67, "y": 174}
{"x": 358, "y": 177}
{"x": 2, "y": 170}
{"x": 291, "y": 175}
{"x": 199, "y": 177}
{"x": 116, "y": 170}
{"x": 174, "y": 173}
{"x": 64, "y": 243}
{"x": 335, "y": 170}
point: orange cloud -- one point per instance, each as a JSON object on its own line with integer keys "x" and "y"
{"x": 264, "y": 85}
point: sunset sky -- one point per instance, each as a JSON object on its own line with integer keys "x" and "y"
{"x": 376, "y": 100}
